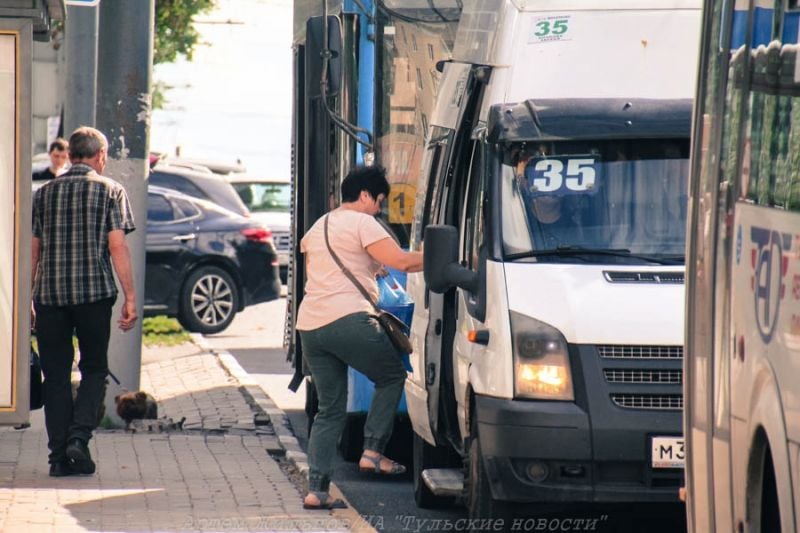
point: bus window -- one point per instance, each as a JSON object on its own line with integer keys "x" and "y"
{"x": 773, "y": 169}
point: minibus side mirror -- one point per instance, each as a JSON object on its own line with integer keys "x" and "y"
{"x": 440, "y": 266}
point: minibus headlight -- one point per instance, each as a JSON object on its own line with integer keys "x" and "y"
{"x": 541, "y": 360}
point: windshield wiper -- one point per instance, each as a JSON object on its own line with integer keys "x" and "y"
{"x": 568, "y": 251}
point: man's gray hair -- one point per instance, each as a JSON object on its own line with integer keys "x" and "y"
{"x": 86, "y": 142}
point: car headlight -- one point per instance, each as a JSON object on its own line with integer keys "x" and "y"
{"x": 541, "y": 360}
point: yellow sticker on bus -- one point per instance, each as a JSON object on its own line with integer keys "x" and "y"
{"x": 402, "y": 197}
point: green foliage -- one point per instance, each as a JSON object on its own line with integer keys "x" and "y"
{"x": 174, "y": 33}
{"x": 108, "y": 423}
{"x": 159, "y": 98}
{"x": 160, "y": 330}
{"x": 160, "y": 325}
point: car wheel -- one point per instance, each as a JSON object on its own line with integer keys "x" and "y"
{"x": 209, "y": 300}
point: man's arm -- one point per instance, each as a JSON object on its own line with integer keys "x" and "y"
{"x": 121, "y": 258}
{"x": 36, "y": 246}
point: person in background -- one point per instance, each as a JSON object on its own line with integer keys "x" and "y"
{"x": 338, "y": 329}
{"x": 79, "y": 224}
{"x": 551, "y": 226}
{"x": 58, "y": 161}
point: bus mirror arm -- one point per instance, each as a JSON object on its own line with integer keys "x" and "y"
{"x": 440, "y": 262}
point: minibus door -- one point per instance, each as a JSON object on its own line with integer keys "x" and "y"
{"x": 454, "y": 114}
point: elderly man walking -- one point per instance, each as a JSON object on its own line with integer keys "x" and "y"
{"x": 80, "y": 220}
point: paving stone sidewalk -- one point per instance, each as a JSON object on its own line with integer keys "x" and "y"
{"x": 214, "y": 475}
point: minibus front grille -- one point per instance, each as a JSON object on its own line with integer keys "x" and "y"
{"x": 661, "y": 402}
{"x": 628, "y": 276}
{"x": 620, "y": 351}
{"x": 643, "y": 376}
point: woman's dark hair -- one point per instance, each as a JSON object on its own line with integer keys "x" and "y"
{"x": 370, "y": 179}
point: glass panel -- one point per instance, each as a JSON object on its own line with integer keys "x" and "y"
{"x": 411, "y": 46}
{"x": 158, "y": 209}
{"x": 260, "y": 197}
{"x": 474, "y": 217}
{"x": 627, "y": 195}
{"x": 8, "y": 179}
{"x": 773, "y": 153}
{"x": 184, "y": 208}
{"x": 177, "y": 183}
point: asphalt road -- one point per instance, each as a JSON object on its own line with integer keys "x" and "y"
{"x": 255, "y": 339}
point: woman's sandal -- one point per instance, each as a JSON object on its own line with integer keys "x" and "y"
{"x": 325, "y": 502}
{"x": 395, "y": 470}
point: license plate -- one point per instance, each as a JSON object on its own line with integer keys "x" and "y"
{"x": 668, "y": 452}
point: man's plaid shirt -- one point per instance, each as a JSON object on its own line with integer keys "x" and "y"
{"x": 72, "y": 216}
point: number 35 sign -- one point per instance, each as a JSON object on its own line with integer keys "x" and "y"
{"x": 562, "y": 175}
{"x": 550, "y": 28}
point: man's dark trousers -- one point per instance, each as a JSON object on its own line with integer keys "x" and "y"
{"x": 55, "y": 325}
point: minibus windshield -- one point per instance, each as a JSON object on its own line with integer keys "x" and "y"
{"x": 613, "y": 201}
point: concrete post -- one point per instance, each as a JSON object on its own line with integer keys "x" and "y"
{"x": 81, "y": 76}
{"x": 125, "y": 62}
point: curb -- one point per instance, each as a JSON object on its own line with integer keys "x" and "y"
{"x": 290, "y": 446}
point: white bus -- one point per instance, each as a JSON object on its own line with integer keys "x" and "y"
{"x": 742, "y": 368}
{"x": 548, "y": 325}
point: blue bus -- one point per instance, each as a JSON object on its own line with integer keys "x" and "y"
{"x": 380, "y": 62}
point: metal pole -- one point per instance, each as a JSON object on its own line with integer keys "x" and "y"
{"x": 81, "y": 54}
{"x": 125, "y": 62}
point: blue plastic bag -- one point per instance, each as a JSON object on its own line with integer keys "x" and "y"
{"x": 391, "y": 293}
{"x": 392, "y": 297}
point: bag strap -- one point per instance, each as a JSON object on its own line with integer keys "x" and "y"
{"x": 346, "y": 271}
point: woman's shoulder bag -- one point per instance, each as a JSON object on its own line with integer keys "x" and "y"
{"x": 393, "y": 326}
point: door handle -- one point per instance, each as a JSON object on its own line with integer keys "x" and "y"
{"x": 184, "y": 238}
{"x": 430, "y": 375}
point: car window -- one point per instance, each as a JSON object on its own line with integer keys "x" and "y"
{"x": 185, "y": 208}
{"x": 177, "y": 183}
{"x": 159, "y": 209}
{"x": 261, "y": 197}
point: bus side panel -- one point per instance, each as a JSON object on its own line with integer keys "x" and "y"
{"x": 700, "y": 282}
{"x": 765, "y": 367}
{"x": 794, "y": 460}
{"x": 296, "y": 274}
{"x": 723, "y": 513}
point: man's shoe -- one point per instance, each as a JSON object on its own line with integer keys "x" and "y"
{"x": 61, "y": 469}
{"x": 78, "y": 452}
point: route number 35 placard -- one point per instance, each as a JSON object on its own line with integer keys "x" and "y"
{"x": 550, "y": 28}
{"x": 564, "y": 175}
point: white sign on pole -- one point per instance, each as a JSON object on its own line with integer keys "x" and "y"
{"x": 88, "y": 3}
{"x": 9, "y": 116}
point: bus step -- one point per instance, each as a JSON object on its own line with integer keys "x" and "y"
{"x": 444, "y": 481}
